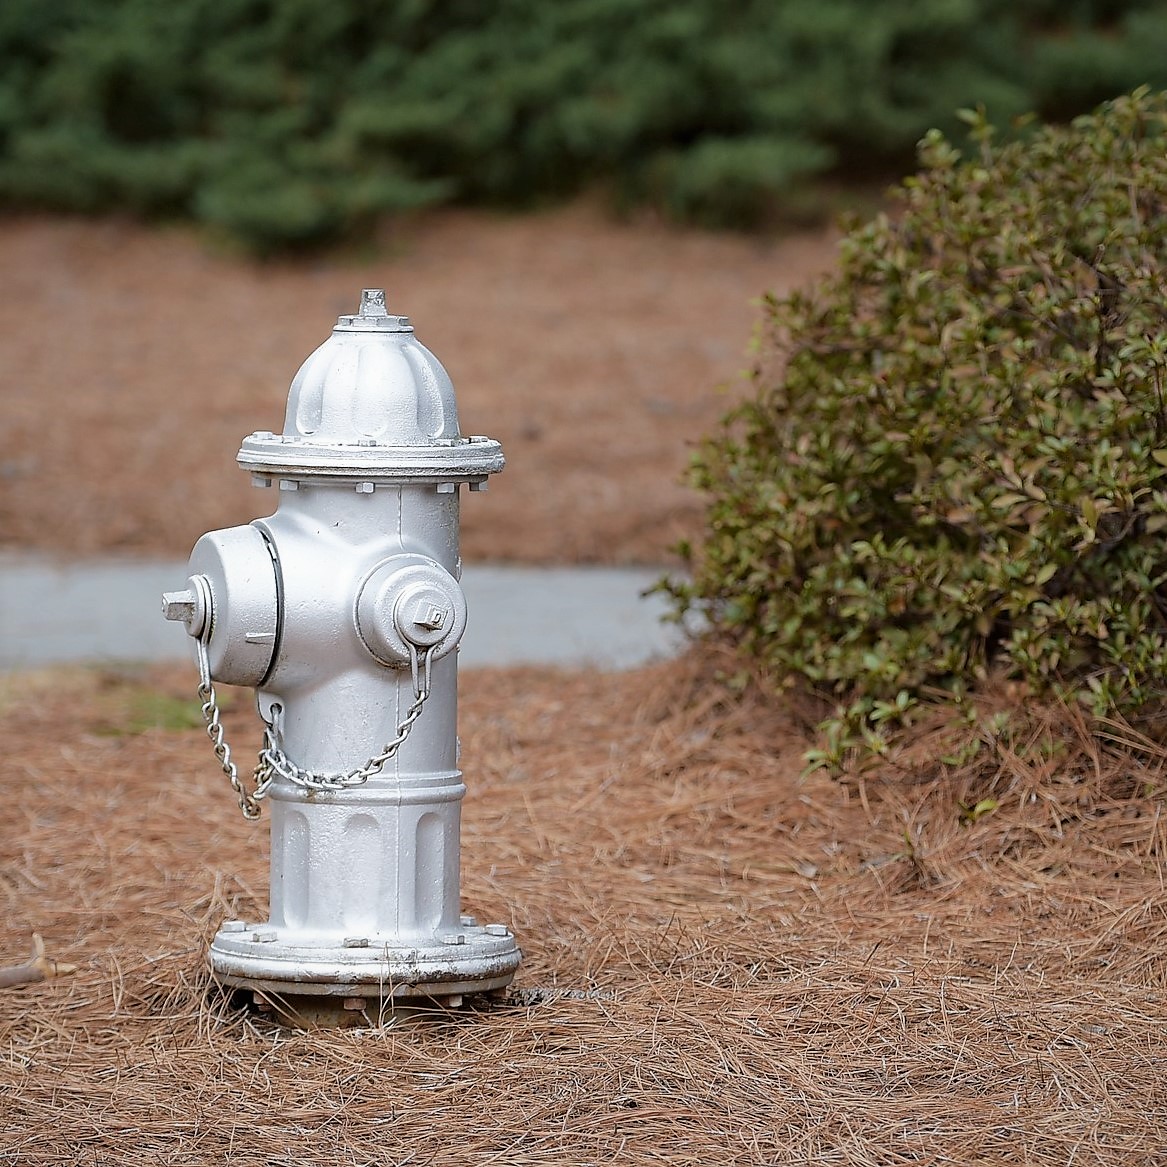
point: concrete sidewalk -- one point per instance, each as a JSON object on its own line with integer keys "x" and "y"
{"x": 107, "y": 610}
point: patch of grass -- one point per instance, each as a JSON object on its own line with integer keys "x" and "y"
{"x": 131, "y": 703}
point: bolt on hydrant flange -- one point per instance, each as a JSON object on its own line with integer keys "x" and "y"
{"x": 344, "y": 610}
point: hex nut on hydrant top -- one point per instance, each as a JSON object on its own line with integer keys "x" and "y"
{"x": 343, "y": 609}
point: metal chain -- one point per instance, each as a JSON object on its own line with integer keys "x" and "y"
{"x": 273, "y": 762}
{"x": 248, "y": 803}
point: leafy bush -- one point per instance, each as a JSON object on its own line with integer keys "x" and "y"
{"x": 285, "y": 122}
{"x": 955, "y": 457}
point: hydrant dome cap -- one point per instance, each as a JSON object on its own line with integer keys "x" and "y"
{"x": 362, "y": 386}
{"x": 373, "y": 401}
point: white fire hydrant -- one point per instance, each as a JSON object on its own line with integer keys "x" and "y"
{"x": 344, "y": 610}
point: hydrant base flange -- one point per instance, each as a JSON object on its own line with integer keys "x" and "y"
{"x": 471, "y": 960}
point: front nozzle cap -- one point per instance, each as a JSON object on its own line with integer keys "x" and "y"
{"x": 406, "y": 603}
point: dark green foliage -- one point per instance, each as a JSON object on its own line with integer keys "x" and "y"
{"x": 956, "y": 456}
{"x": 290, "y": 121}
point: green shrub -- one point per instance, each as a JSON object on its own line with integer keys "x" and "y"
{"x": 954, "y": 459}
{"x": 287, "y": 122}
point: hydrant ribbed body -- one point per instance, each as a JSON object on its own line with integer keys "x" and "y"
{"x": 344, "y": 610}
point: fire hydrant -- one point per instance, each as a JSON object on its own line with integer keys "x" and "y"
{"x": 344, "y": 610}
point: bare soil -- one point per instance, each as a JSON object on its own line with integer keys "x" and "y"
{"x": 722, "y": 963}
{"x": 135, "y": 361}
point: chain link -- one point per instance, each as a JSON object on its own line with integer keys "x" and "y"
{"x": 273, "y": 762}
{"x": 248, "y": 803}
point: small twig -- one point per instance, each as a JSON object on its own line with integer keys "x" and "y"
{"x": 39, "y": 968}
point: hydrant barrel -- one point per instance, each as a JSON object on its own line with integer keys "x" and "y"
{"x": 344, "y": 609}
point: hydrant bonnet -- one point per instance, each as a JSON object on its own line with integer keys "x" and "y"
{"x": 369, "y": 390}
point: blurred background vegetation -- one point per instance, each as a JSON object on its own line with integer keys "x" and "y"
{"x": 284, "y": 123}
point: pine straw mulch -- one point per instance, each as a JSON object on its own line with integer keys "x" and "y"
{"x": 723, "y": 962}
{"x": 134, "y": 361}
